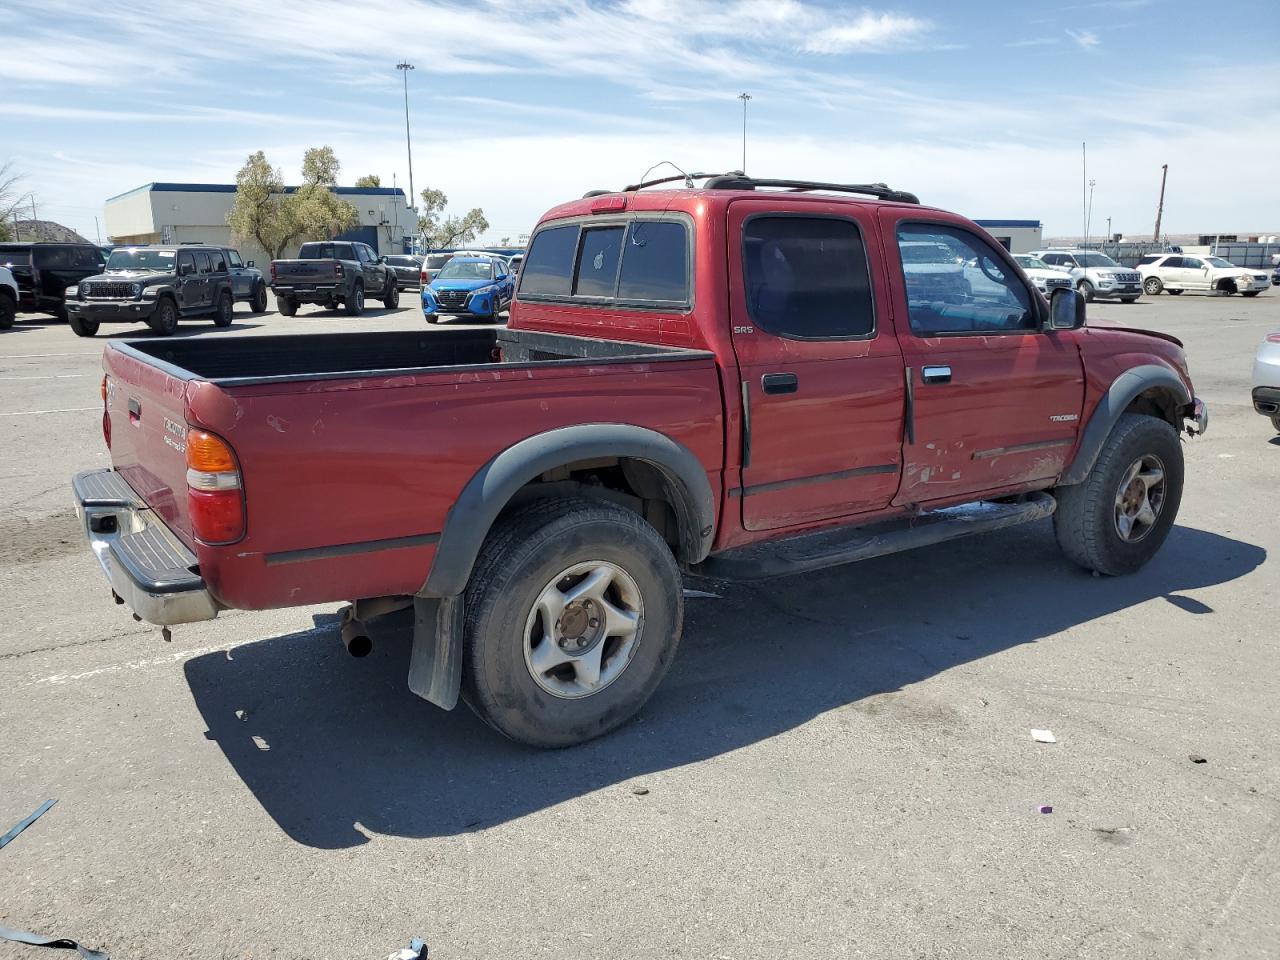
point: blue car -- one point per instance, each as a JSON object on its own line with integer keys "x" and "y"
{"x": 469, "y": 287}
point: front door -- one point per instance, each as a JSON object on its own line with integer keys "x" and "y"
{"x": 1194, "y": 274}
{"x": 821, "y": 374}
{"x": 995, "y": 402}
{"x": 187, "y": 283}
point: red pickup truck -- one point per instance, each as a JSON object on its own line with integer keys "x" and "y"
{"x": 744, "y": 380}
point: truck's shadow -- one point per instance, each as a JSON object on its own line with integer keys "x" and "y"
{"x": 326, "y": 742}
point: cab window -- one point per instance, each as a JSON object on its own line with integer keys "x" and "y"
{"x": 233, "y": 256}
{"x": 957, "y": 284}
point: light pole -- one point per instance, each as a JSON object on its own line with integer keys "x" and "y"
{"x": 1109, "y": 234}
{"x": 405, "y": 66}
{"x": 744, "y": 97}
{"x": 1088, "y": 217}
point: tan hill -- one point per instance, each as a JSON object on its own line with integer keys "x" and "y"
{"x": 47, "y": 230}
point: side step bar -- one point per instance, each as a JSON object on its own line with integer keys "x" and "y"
{"x": 830, "y": 548}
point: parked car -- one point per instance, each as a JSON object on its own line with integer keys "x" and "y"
{"x": 1275, "y": 276}
{"x": 1048, "y": 280}
{"x": 8, "y": 298}
{"x": 247, "y": 282}
{"x": 468, "y": 286}
{"x": 408, "y": 268}
{"x": 514, "y": 263}
{"x": 1177, "y": 272}
{"x": 433, "y": 262}
{"x": 43, "y": 272}
{"x": 331, "y": 272}
{"x": 766, "y": 401}
{"x": 1266, "y": 379}
{"x": 934, "y": 271}
{"x": 156, "y": 285}
{"x": 1096, "y": 275}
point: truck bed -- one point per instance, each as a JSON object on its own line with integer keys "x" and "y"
{"x": 238, "y": 361}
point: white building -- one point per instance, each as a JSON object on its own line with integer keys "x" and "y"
{"x": 1016, "y": 236}
{"x": 197, "y": 212}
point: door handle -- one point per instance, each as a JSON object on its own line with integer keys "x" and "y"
{"x": 935, "y": 375}
{"x": 780, "y": 382}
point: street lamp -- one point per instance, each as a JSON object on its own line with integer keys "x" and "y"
{"x": 1088, "y": 217}
{"x": 744, "y": 97}
{"x": 406, "y": 66}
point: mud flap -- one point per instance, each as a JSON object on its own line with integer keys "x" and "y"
{"x": 435, "y": 664}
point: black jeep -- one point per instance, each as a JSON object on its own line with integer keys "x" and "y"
{"x": 154, "y": 284}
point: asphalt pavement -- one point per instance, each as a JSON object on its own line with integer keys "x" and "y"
{"x": 837, "y": 765}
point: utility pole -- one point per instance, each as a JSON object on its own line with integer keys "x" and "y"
{"x": 1088, "y": 217}
{"x": 1164, "y": 175}
{"x": 1110, "y": 235}
{"x": 744, "y": 97}
{"x": 97, "y": 230}
{"x": 405, "y": 66}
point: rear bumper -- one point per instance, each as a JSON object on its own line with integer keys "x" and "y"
{"x": 102, "y": 311}
{"x": 1266, "y": 400}
{"x": 147, "y": 567}
{"x": 1198, "y": 417}
{"x": 310, "y": 292}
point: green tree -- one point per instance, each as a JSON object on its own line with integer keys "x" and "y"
{"x": 320, "y": 213}
{"x": 369, "y": 180}
{"x": 440, "y": 232}
{"x": 261, "y": 211}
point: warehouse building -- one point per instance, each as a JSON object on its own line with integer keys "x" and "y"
{"x": 197, "y": 212}
{"x": 1016, "y": 236}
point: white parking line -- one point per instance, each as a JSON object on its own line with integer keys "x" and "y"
{"x": 177, "y": 655}
{"x": 32, "y": 413}
{"x": 35, "y": 356}
{"x": 55, "y": 376}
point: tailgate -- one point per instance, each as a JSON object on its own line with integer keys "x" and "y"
{"x": 304, "y": 271}
{"x": 147, "y": 408}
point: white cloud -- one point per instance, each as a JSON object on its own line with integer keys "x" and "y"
{"x": 1033, "y": 42}
{"x": 1086, "y": 39}
{"x": 870, "y": 32}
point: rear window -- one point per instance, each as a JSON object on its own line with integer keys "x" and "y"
{"x": 438, "y": 260}
{"x": 326, "y": 251}
{"x": 53, "y": 258}
{"x": 1151, "y": 258}
{"x": 12, "y": 255}
{"x": 642, "y": 262}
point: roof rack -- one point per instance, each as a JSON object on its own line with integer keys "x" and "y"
{"x": 739, "y": 181}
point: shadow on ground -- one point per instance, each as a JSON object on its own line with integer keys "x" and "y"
{"x": 186, "y": 328}
{"x": 327, "y": 742}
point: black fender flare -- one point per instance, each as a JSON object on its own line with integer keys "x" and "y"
{"x": 1122, "y": 392}
{"x": 491, "y": 489}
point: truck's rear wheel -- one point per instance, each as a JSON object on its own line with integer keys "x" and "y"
{"x": 165, "y": 319}
{"x": 1116, "y": 520}
{"x": 355, "y": 301}
{"x": 8, "y": 311}
{"x": 574, "y": 612}
{"x": 391, "y": 293}
{"x": 225, "y": 313}
{"x": 286, "y": 306}
{"x": 81, "y": 327}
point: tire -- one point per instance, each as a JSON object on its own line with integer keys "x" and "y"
{"x": 1251, "y": 293}
{"x": 286, "y": 306}
{"x": 354, "y": 302}
{"x": 391, "y": 295}
{"x": 81, "y": 327}
{"x": 1086, "y": 290}
{"x": 1128, "y": 299}
{"x": 1174, "y": 293}
{"x": 1275, "y": 422}
{"x": 531, "y": 553}
{"x": 8, "y": 311}
{"x": 1228, "y": 287}
{"x": 225, "y": 312}
{"x": 1086, "y": 521}
{"x": 165, "y": 319}
{"x": 259, "y": 302}
{"x": 431, "y": 317}
{"x": 497, "y": 309}
{"x": 1152, "y": 286}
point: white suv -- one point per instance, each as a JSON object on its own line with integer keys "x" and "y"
{"x": 1176, "y": 272}
{"x": 8, "y": 298}
{"x": 1097, "y": 276}
{"x": 1048, "y": 280}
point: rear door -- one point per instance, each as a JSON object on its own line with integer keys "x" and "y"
{"x": 821, "y": 372}
{"x": 995, "y": 401}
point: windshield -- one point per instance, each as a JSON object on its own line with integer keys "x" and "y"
{"x": 140, "y": 259}
{"x": 466, "y": 270}
{"x": 437, "y": 260}
{"x": 1095, "y": 260}
{"x": 1032, "y": 263}
{"x": 927, "y": 253}
{"x": 402, "y": 261}
{"x": 1218, "y": 262}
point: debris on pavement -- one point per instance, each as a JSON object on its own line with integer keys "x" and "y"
{"x": 1196, "y": 758}
{"x": 59, "y": 943}
{"x": 1043, "y": 736}
{"x": 417, "y": 950}
{"x": 1044, "y": 808}
{"x": 22, "y": 825}
{"x": 641, "y": 791}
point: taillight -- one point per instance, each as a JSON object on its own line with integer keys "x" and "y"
{"x": 273, "y": 271}
{"x": 106, "y": 415}
{"x": 1273, "y": 338}
{"x": 422, "y": 278}
{"x": 337, "y": 270}
{"x": 214, "y": 493}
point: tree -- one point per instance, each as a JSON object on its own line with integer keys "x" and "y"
{"x": 261, "y": 211}
{"x": 321, "y": 214}
{"x": 320, "y": 166}
{"x": 369, "y": 180}
{"x": 440, "y": 232}
{"x": 11, "y": 197}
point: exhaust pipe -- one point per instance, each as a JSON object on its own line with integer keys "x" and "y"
{"x": 355, "y": 636}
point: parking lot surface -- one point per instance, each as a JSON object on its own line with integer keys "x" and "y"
{"x": 837, "y": 764}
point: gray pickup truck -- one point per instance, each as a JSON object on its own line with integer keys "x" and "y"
{"x": 330, "y": 272}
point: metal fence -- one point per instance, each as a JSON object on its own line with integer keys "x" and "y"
{"x": 1256, "y": 255}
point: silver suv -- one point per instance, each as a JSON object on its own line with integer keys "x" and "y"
{"x": 1096, "y": 275}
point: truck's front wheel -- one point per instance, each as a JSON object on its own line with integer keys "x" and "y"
{"x": 164, "y": 321}
{"x": 1116, "y": 520}
{"x": 574, "y": 612}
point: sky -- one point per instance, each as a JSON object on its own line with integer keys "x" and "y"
{"x": 517, "y": 105}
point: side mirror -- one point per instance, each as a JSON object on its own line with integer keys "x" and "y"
{"x": 248, "y": 263}
{"x": 1066, "y": 311}
{"x": 382, "y": 260}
